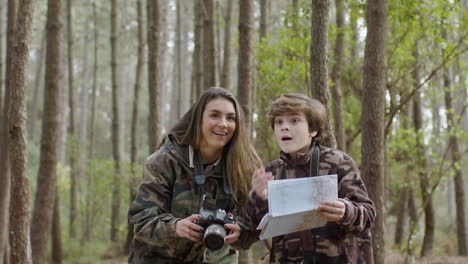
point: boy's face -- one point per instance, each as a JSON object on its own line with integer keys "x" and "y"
{"x": 292, "y": 133}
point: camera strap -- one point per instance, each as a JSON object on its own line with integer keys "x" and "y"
{"x": 200, "y": 180}
{"x": 199, "y": 172}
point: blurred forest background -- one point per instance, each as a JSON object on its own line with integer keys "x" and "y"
{"x": 88, "y": 89}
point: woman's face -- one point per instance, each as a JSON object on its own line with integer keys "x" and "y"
{"x": 218, "y": 124}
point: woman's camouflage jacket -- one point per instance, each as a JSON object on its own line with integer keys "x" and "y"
{"x": 169, "y": 193}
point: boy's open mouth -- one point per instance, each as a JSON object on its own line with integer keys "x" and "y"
{"x": 286, "y": 138}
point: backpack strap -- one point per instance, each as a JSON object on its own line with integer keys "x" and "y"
{"x": 308, "y": 240}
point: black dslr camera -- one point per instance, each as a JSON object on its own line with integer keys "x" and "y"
{"x": 213, "y": 222}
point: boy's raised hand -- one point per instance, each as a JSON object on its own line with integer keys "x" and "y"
{"x": 260, "y": 183}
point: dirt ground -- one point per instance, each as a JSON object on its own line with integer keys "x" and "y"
{"x": 398, "y": 259}
{"x": 390, "y": 259}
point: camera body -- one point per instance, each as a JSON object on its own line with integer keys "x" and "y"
{"x": 213, "y": 222}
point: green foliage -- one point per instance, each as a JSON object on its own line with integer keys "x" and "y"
{"x": 283, "y": 66}
{"x": 95, "y": 184}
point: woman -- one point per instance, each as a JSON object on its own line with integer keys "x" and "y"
{"x": 206, "y": 155}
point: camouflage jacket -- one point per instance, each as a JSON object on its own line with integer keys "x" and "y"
{"x": 346, "y": 241}
{"x": 169, "y": 193}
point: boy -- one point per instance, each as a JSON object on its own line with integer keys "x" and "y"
{"x": 297, "y": 122}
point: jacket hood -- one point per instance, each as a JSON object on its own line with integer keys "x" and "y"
{"x": 182, "y": 152}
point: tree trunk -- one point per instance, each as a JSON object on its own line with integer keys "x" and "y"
{"x": 373, "y": 117}
{"x": 456, "y": 159}
{"x": 186, "y": 65}
{"x": 57, "y": 252}
{"x": 71, "y": 128}
{"x": 178, "y": 63}
{"x": 135, "y": 114}
{"x": 225, "y": 76}
{"x": 429, "y": 213}
{"x": 89, "y": 179}
{"x": 336, "y": 77}
{"x": 38, "y": 81}
{"x": 163, "y": 72}
{"x": 20, "y": 193}
{"x": 265, "y": 8}
{"x": 245, "y": 63}
{"x": 401, "y": 217}
{"x": 217, "y": 24}
{"x": 5, "y": 175}
{"x": 403, "y": 204}
{"x": 197, "y": 83}
{"x": 115, "y": 124}
{"x": 153, "y": 71}
{"x": 47, "y": 179}
{"x": 209, "y": 48}
{"x": 319, "y": 63}
{"x": 84, "y": 97}
{"x": 1, "y": 77}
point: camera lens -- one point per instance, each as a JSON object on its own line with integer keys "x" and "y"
{"x": 214, "y": 236}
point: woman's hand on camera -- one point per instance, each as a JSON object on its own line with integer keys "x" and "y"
{"x": 332, "y": 211}
{"x": 189, "y": 229}
{"x": 234, "y": 235}
{"x": 260, "y": 183}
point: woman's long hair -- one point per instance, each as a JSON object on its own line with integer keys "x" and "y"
{"x": 241, "y": 158}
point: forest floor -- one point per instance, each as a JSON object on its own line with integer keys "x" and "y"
{"x": 390, "y": 259}
{"x": 394, "y": 258}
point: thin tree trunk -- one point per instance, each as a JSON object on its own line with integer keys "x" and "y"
{"x": 178, "y": 73}
{"x": 47, "y": 178}
{"x": 71, "y": 128}
{"x": 429, "y": 213}
{"x": 115, "y": 125}
{"x": 401, "y": 217}
{"x": 83, "y": 117}
{"x": 265, "y": 9}
{"x": 1, "y": 78}
{"x": 319, "y": 63}
{"x": 373, "y": 117}
{"x": 186, "y": 64}
{"x": 84, "y": 97}
{"x": 209, "y": 47}
{"x": 354, "y": 37}
{"x": 456, "y": 158}
{"x": 336, "y": 77}
{"x": 87, "y": 231}
{"x": 217, "y": 25}
{"x": 94, "y": 89}
{"x": 5, "y": 175}
{"x": 403, "y": 205}
{"x": 38, "y": 81}
{"x": 57, "y": 252}
{"x": 261, "y": 131}
{"x": 20, "y": 193}
{"x": 245, "y": 63}
{"x": 135, "y": 114}
{"x": 153, "y": 71}
{"x": 198, "y": 55}
{"x": 163, "y": 72}
{"x": 225, "y": 77}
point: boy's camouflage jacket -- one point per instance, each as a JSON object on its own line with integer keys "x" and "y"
{"x": 169, "y": 193}
{"x": 343, "y": 242}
